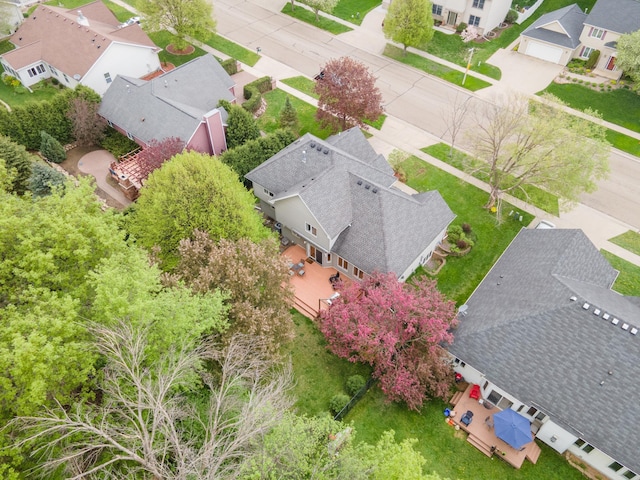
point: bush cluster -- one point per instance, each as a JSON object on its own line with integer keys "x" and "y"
{"x": 355, "y": 384}
{"x": 338, "y": 402}
{"x": 458, "y": 237}
{"x": 253, "y": 93}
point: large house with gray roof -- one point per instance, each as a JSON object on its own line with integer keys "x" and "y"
{"x": 568, "y": 33}
{"x": 545, "y": 335}
{"x": 340, "y": 201}
{"x": 85, "y": 46}
{"x": 181, "y": 103}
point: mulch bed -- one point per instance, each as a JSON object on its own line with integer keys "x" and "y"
{"x": 185, "y": 51}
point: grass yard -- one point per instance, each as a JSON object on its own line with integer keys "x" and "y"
{"x": 307, "y": 16}
{"x": 302, "y": 84}
{"x": 623, "y": 142}
{"x": 230, "y": 48}
{"x": 460, "y": 276}
{"x": 530, "y": 194}
{"x": 629, "y": 240}
{"x": 354, "y": 10}
{"x": 164, "y": 38}
{"x": 434, "y": 68}
{"x": 6, "y": 46}
{"x": 319, "y": 374}
{"x": 41, "y": 91}
{"x": 269, "y": 121}
{"x": 628, "y": 282}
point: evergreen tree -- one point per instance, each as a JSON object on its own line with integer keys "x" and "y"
{"x": 289, "y": 117}
{"x": 51, "y": 149}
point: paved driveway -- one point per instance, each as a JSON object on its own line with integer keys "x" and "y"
{"x": 97, "y": 163}
{"x": 520, "y": 73}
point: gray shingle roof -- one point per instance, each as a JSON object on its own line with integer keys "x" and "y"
{"x": 385, "y": 230}
{"x": 621, "y": 16}
{"x": 572, "y": 20}
{"x": 523, "y": 331}
{"x": 171, "y": 105}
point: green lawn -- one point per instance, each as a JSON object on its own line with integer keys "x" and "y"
{"x": 302, "y": 84}
{"x": 6, "y": 46}
{"x": 354, "y": 10}
{"x": 450, "y": 75}
{"x": 530, "y": 194}
{"x": 628, "y": 282}
{"x": 623, "y": 142}
{"x": 41, "y": 91}
{"x": 231, "y": 49}
{"x": 164, "y": 38}
{"x": 309, "y": 17}
{"x": 269, "y": 121}
{"x": 460, "y": 276}
{"x": 629, "y": 240}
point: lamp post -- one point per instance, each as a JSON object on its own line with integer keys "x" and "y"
{"x": 468, "y": 65}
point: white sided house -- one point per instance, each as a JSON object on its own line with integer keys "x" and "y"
{"x": 485, "y": 15}
{"x": 544, "y": 335}
{"x": 86, "y": 46}
{"x": 338, "y": 199}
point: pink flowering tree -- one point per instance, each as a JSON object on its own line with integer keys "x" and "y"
{"x": 397, "y": 328}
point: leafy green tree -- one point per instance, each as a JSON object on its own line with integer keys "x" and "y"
{"x": 187, "y": 18}
{"x": 44, "y": 179}
{"x": 409, "y": 22}
{"x": 628, "y": 58}
{"x": 255, "y": 277}
{"x": 537, "y": 143}
{"x": 17, "y": 163}
{"x": 193, "y": 191}
{"x": 317, "y": 5}
{"x": 241, "y": 127}
{"x": 289, "y": 117}
{"x": 5, "y": 177}
{"x": 51, "y": 149}
{"x": 245, "y": 158}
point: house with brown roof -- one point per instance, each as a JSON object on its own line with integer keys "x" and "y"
{"x": 86, "y": 46}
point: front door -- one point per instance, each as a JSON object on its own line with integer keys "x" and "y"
{"x": 452, "y": 18}
{"x": 315, "y": 254}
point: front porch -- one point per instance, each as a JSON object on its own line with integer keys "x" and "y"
{"x": 481, "y": 434}
{"x": 310, "y": 282}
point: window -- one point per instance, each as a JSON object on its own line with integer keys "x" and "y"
{"x": 40, "y": 68}
{"x": 66, "y": 79}
{"x": 473, "y": 20}
{"x": 311, "y": 229}
{"x": 588, "y": 448}
{"x": 586, "y": 51}
{"x": 597, "y": 33}
{"x": 494, "y": 397}
{"x": 267, "y": 192}
{"x": 53, "y": 70}
{"x": 579, "y": 443}
{"x": 629, "y": 474}
{"x": 342, "y": 263}
{"x": 110, "y": 123}
{"x": 437, "y": 9}
{"x": 479, "y": 4}
{"x": 107, "y": 77}
{"x": 615, "y": 466}
{"x": 129, "y": 136}
{"x": 358, "y": 273}
{"x": 32, "y": 72}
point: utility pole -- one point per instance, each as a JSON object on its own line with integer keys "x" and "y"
{"x": 468, "y": 65}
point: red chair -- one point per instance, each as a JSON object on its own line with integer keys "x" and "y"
{"x": 475, "y": 392}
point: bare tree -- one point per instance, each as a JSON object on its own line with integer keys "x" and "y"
{"x": 145, "y": 424}
{"x": 523, "y": 142}
{"x": 455, "y": 116}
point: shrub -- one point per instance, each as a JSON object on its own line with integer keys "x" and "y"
{"x": 592, "y": 61}
{"x": 44, "y": 179}
{"x": 51, "y": 149}
{"x": 355, "y": 384}
{"x": 466, "y": 228}
{"x": 230, "y": 66}
{"x": 117, "y": 144}
{"x": 338, "y": 402}
{"x": 55, "y": 81}
{"x": 253, "y": 93}
{"x": 461, "y": 27}
{"x": 511, "y": 17}
{"x": 461, "y": 244}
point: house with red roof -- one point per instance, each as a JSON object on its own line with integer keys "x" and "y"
{"x": 86, "y": 46}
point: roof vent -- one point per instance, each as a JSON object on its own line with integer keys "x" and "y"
{"x": 313, "y": 144}
{"x": 319, "y": 148}
{"x": 375, "y": 190}
{"x": 573, "y": 299}
{"x": 625, "y": 326}
{"x": 615, "y": 321}
{"x": 586, "y": 306}
{"x": 634, "y": 331}
{"x": 367, "y": 186}
{"x": 606, "y": 316}
{"x": 359, "y": 182}
{"x": 325, "y": 151}
{"x": 596, "y": 311}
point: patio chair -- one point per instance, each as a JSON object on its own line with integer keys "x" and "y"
{"x": 475, "y": 392}
{"x": 467, "y": 418}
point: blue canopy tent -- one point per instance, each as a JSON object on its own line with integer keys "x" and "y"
{"x": 512, "y": 427}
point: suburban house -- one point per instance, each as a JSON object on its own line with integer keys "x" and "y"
{"x": 10, "y": 17}
{"x": 485, "y": 15}
{"x": 544, "y": 335}
{"x": 85, "y": 46}
{"x": 181, "y": 103}
{"x": 340, "y": 201}
{"x": 570, "y": 33}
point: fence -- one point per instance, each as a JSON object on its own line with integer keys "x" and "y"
{"x": 359, "y": 394}
{"x": 522, "y": 16}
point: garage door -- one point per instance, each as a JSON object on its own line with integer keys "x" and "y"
{"x": 544, "y": 52}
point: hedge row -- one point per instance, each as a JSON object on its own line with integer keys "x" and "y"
{"x": 253, "y": 93}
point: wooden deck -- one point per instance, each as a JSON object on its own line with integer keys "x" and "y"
{"x": 312, "y": 289}
{"x": 481, "y": 434}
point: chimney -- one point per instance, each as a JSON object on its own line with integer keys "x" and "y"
{"x": 82, "y": 20}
